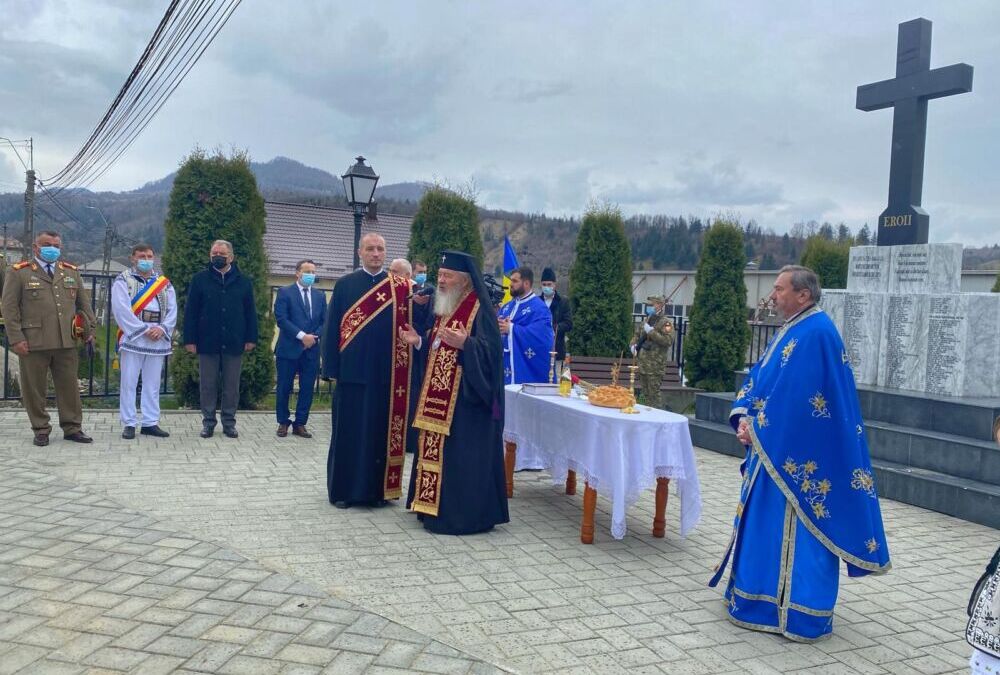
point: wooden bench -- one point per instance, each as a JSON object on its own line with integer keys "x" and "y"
{"x": 597, "y": 370}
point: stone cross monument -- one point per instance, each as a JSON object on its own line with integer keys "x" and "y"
{"x": 903, "y": 221}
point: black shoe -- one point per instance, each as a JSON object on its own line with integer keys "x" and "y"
{"x": 78, "y": 437}
{"x": 207, "y": 431}
{"x": 342, "y": 505}
{"x": 128, "y": 433}
{"x": 379, "y": 503}
{"x": 230, "y": 432}
{"x": 154, "y": 430}
{"x": 41, "y": 439}
{"x": 300, "y": 430}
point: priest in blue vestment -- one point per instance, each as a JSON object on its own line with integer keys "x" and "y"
{"x": 526, "y": 327}
{"x": 808, "y": 498}
{"x": 458, "y": 484}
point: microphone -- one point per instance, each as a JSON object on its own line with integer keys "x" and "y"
{"x": 429, "y": 290}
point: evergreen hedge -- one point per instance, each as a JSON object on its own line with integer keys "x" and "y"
{"x": 216, "y": 197}
{"x": 828, "y": 259}
{"x": 600, "y": 286}
{"x": 718, "y": 334}
{"x": 445, "y": 220}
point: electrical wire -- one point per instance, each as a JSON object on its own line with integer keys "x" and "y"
{"x": 185, "y": 32}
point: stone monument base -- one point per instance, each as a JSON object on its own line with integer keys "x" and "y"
{"x": 928, "y": 450}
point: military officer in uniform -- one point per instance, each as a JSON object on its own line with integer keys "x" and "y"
{"x": 652, "y": 345}
{"x": 41, "y": 299}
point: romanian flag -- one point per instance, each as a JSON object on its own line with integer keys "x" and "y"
{"x": 509, "y": 265}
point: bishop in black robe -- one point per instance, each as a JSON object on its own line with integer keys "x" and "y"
{"x": 473, "y": 489}
{"x": 356, "y": 464}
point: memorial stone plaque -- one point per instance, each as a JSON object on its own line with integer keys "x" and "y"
{"x": 926, "y": 268}
{"x": 861, "y": 330}
{"x": 903, "y": 355}
{"x": 982, "y": 345}
{"x": 868, "y": 269}
{"x": 947, "y": 326}
{"x": 832, "y": 302}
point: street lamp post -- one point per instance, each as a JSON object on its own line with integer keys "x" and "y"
{"x": 359, "y": 185}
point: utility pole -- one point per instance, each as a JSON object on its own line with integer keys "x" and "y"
{"x": 29, "y": 215}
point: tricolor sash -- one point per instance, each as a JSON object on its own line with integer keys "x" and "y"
{"x": 393, "y": 292}
{"x": 436, "y": 407}
{"x": 143, "y": 297}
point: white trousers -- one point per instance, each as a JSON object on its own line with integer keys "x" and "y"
{"x": 150, "y": 366}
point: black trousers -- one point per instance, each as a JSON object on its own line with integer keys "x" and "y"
{"x": 215, "y": 370}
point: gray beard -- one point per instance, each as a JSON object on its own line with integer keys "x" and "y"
{"x": 445, "y": 303}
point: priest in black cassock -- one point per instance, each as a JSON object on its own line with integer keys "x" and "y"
{"x": 364, "y": 352}
{"x": 458, "y": 484}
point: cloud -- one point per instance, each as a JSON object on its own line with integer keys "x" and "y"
{"x": 520, "y": 90}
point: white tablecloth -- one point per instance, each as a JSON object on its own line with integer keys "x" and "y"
{"x": 619, "y": 455}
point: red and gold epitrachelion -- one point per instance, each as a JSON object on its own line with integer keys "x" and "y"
{"x": 394, "y": 294}
{"x": 436, "y": 407}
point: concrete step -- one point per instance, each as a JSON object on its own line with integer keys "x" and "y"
{"x": 965, "y": 417}
{"x": 713, "y": 407}
{"x": 971, "y": 500}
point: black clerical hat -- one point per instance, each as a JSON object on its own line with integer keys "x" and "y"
{"x": 548, "y": 274}
{"x": 459, "y": 261}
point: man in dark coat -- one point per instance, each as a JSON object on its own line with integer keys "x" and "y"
{"x": 562, "y": 318}
{"x": 363, "y": 352}
{"x": 220, "y": 324}
{"x": 300, "y": 311}
{"x": 458, "y": 484}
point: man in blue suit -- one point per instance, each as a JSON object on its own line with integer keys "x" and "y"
{"x": 300, "y": 311}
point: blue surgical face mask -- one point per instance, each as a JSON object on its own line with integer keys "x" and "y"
{"x": 308, "y": 278}
{"x": 420, "y": 278}
{"x": 144, "y": 265}
{"x": 548, "y": 290}
{"x": 49, "y": 254}
{"x": 650, "y": 311}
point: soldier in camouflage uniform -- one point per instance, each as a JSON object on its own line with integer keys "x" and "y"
{"x": 41, "y": 299}
{"x": 652, "y": 344}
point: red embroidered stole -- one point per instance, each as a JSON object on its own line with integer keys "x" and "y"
{"x": 436, "y": 407}
{"x": 391, "y": 293}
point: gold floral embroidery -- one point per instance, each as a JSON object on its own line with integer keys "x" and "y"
{"x": 351, "y": 322}
{"x": 761, "y": 419}
{"x": 745, "y": 389}
{"x": 818, "y": 402}
{"x": 864, "y": 481}
{"x": 815, "y": 490}
{"x": 443, "y": 367}
{"x": 759, "y": 403}
{"x": 872, "y": 545}
{"x": 786, "y": 352}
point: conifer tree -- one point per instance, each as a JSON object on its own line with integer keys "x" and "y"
{"x": 600, "y": 286}
{"x": 216, "y": 197}
{"x": 445, "y": 220}
{"x": 718, "y": 335}
{"x": 828, "y": 259}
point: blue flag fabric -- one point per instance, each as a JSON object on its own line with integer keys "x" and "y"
{"x": 808, "y": 494}
{"x": 509, "y": 265}
{"x": 526, "y": 348}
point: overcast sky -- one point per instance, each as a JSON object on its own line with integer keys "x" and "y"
{"x": 661, "y": 107}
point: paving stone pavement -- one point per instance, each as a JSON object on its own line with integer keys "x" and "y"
{"x": 527, "y": 597}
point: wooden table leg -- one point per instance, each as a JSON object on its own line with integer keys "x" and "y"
{"x": 589, "y": 504}
{"x": 659, "y": 520}
{"x": 510, "y": 458}
{"x": 571, "y": 482}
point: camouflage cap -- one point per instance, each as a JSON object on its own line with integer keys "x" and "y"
{"x": 656, "y": 300}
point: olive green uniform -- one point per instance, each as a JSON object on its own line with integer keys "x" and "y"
{"x": 654, "y": 355}
{"x": 41, "y": 310}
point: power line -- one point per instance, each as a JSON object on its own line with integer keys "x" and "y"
{"x": 185, "y": 32}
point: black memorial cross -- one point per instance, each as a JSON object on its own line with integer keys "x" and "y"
{"x": 904, "y": 222}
